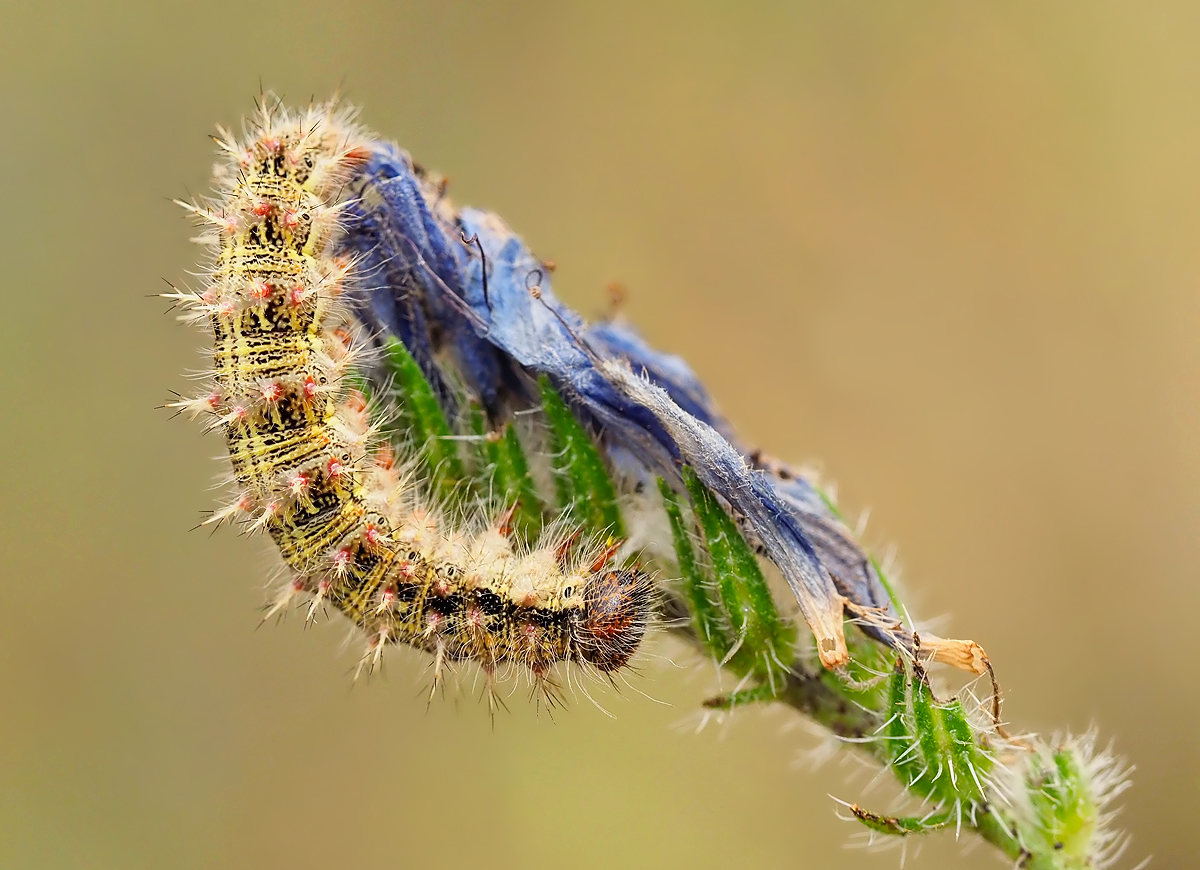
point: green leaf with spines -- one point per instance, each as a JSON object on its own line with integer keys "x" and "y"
{"x": 584, "y": 486}
{"x": 902, "y": 826}
{"x": 900, "y": 739}
{"x": 505, "y": 477}
{"x": 967, "y": 759}
{"x": 1066, "y": 816}
{"x": 762, "y": 693}
{"x": 930, "y": 737}
{"x": 931, "y": 743}
{"x": 420, "y": 413}
{"x": 697, "y": 585}
{"x": 767, "y": 642}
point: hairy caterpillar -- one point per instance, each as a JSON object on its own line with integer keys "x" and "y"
{"x": 309, "y": 470}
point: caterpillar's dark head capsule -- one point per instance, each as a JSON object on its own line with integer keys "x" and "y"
{"x": 617, "y": 606}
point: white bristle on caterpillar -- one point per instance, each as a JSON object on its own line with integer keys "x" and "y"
{"x": 353, "y": 529}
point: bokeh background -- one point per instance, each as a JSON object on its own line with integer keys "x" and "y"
{"x": 949, "y": 250}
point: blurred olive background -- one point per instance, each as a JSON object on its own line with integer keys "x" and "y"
{"x": 947, "y": 249}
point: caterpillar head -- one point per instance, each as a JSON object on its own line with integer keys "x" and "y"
{"x": 617, "y": 603}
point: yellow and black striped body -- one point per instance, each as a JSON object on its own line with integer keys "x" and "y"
{"x": 302, "y": 458}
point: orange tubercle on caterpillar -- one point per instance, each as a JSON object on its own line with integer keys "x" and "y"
{"x": 351, "y": 525}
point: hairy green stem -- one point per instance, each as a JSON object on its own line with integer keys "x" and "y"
{"x": 1037, "y": 803}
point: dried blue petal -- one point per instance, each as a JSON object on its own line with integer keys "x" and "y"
{"x": 724, "y": 471}
{"x": 413, "y": 263}
{"x": 614, "y": 339}
{"x": 853, "y": 572}
{"x": 496, "y": 313}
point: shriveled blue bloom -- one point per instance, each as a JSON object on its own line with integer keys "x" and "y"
{"x": 495, "y": 313}
{"x": 853, "y": 572}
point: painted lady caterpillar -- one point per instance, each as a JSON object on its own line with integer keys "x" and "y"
{"x": 352, "y": 527}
